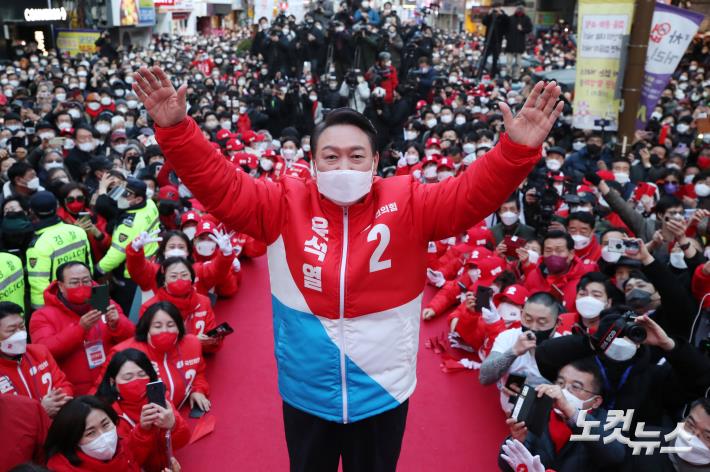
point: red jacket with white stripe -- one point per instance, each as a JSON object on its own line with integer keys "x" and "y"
{"x": 34, "y": 375}
{"x": 57, "y": 327}
{"x": 448, "y": 295}
{"x": 182, "y": 369}
{"x": 346, "y": 283}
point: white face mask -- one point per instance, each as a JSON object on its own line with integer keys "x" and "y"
{"x": 553, "y": 164}
{"x": 581, "y": 241}
{"x": 589, "y": 307}
{"x": 443, "y": 175}
{"x": 509, "y": 312}
{"x": 266, "y": 164}
{"x": 699, "y": 454}
{"x": 509, "y": 218}
{"x": 184, "y": 192}
{"x": 576, "y": 403}
{"x": 64, "y": 126}
{"x": 474, "y": 274}
{"x": 436, "y": 109}
{"x": 122, "y": 203}
{"x": 431, "y": 123}
{"x": 412, "y": 158}
{"x": 702, "y": 190}
{"x": 33, "y": 184}
{"x": 621, "y": 349}
{"x": 469, "y": 148}
{"x": 622, "y": 177}
{"x": 178, "y": 252}
{"x": 577, "y": 145}
{"x": 446, "y": 119}
{"x": 149, "y": 193}
{"x": 344, "y": 187}
{"x": 53, "y": 165}
{"x": 288, "y": 154}
{"x": 103, "y": 128}
{"x": 610, "y": 257}
{"x": 46, "y": 135}
{"x": 226, "y": 125}
{"x": 469, "y": 159}
{"x": 205, "y": 248}
{"x": 119, "y": 148}
{"x": 677, "y": 260}
{"x": 87, "y": 147}
{"x": 15, "y": 345}
{"x": 103, "y": 447}
{"x": 430, "y": 172}
{"x": 533, "y": 256}
{"x": 410, "y": 135}
{"x": 460, "y": 120}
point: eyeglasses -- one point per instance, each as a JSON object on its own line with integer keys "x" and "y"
{"x": 80, "y": 199}
{"x": 575, "y": 387}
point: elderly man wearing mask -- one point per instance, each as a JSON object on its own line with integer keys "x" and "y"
{"x": 347, "y": 264}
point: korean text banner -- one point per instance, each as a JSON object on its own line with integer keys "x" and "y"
{"x": 75, "y": 42}
{"x": 672, "y": 29}
{"x": 601, "y": 30}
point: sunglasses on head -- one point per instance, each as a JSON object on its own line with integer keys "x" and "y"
{"x": 80, "y": 198}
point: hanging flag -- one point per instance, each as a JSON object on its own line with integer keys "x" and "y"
{"x": 602, "y": 27}
{"x": 672, "y": 29}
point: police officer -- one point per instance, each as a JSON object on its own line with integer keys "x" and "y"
{"x": 55, "y": 243}
{"x": 138, "y": 214}
{"x": 12, "y": 280}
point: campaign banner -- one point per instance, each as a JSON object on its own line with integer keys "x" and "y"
{"x": 602, "y": 27}
{"x": 672, "y": 29}
{"x": 76, "y": 42}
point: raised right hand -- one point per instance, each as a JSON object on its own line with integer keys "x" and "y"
{"x": 164, "y": 104}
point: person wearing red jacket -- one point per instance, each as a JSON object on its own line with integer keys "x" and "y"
{"x": 246, "y": 246}
{"x": 74, "y": 210}
{"x": 386, "y": 75}
{"x": 347, "y": 260}
{"x": 700, "y": 285}
{"x": 176, "y": 284}
{"x": 24, "y": 425}
{"x": 207, "y": 238}
{"x": 560, "y": 271}
{"x": 160, "y": 334}
{"x": 203, "y": 63}
{"x": 271, "y": 166}
{"x": 28, "y": 369}
{"x": 479, "y": 330}
{"x": 172, "y": 244}
{"x": 409, "y": 161}
{"x": 594, "y": 294}
{"x": 124, "y": 387}
{"x": 580, "y": 225}
{"x": 479, "y": 271}
{"x": 84, "y": 438}
{"x": 77, "y": 335}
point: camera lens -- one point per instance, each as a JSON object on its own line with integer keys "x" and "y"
{"x": 635, "y": 333}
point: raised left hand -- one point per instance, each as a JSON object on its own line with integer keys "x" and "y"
{"x": 531, "y": 125}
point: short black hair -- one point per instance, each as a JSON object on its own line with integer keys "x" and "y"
{"x": 68, "y": 426}
{"x": 160, "y": 276}
{"x": 66, "y": 189}
{"x": 9, "y": 308}
{"x": 582, "y": 216}
{"x": 546, "y": 299}
{"x": 596, "y": 277}
{"x": 146, "y": 319}
{"x": 18, "y": 169}
{"x": 505, "y": 279}
{"x": 613, "y": 229}
{"x": 68, "y": 265}
{"x": 108, "y": 392}
{"x": 638, "y": 275}
{"x": 513, "y": 198}
{"x": 167, "y": 236}
{"x": 345, "y": 116}
{"x": 667, "y": 202}
{"x": 589, "y": 366}
{"x": 704, "y": 402}
{"x": 560, "y": 235}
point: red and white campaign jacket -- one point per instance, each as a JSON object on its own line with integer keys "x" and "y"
{"x": 33, "y": 375}
{"x": 346, "y": 283}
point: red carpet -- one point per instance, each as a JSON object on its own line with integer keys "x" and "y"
{"x": 454, "y": 423}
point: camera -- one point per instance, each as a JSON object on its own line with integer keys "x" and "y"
{"x": 623, "y": 246}
{"x": 630, "y": 329}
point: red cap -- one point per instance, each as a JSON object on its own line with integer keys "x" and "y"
{"x": 246, "y": 159}
{"x": 431, "y": 142}
{"x": 480, "y": 237}
{"x": 224, "y": 134}
{"x": 270, "y": 153}
{"x": 446, "y": 162}
{"x": 168, "y": 192}
{"x": 703, "y": 162}
{"x": 205, "y": 227}
{"x": 490, "y": 268}
{"x": 248, "y": 136}
{"x": 434, "y": 158}
{"x": 516, "y": 294}
{"x": 233, "y": 144}
{"x": 421, "y": 104}
{"x": 189, "y": 217}
{"x": 476, "y": 254}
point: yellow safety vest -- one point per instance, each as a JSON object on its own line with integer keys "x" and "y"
{"x": 12, "y": 279}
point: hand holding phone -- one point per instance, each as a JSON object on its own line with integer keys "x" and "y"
{"x": 99, "y": 299}
{"x": 155, "y": 392}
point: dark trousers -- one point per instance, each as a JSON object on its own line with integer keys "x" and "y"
{"x": 369, "y": 445}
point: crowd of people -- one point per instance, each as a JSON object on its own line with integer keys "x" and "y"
{"x": 589, "y": 284}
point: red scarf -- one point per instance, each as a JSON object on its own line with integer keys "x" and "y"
{"x": 559, "y": 431}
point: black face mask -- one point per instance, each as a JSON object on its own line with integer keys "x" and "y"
{"x": 655, "y": 160}
{"x": 593, "y": 149}
{"x": 638, "y": 299}
{"x": 542, "y": 335}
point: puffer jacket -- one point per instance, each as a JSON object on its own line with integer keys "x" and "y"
{"x": 346, "y": 282}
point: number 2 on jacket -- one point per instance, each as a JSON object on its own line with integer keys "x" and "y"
{"x": 381, "y": 232}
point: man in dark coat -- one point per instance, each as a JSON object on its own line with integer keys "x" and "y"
{"x": 495, "y": 22}
{"x": 516, "y": 31}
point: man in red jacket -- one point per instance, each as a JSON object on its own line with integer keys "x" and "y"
{"x": 28, "y": 369}
{"x": 78, "y": 336}
{"x": 347, "y": 260}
